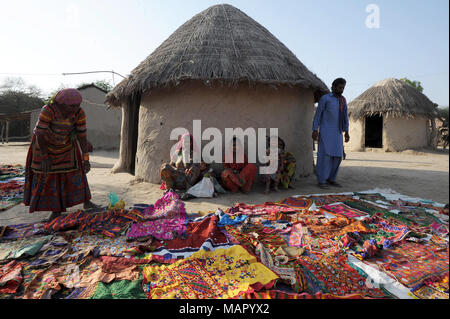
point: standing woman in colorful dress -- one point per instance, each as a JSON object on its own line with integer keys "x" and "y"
{"x": 58, "y": 157}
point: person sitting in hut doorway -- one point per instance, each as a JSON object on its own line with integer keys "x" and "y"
{"x": 56, "y": 168}
{"x": 240, "y": 174}
{"x": 182, "y": 173}
{"x": 332, "y": 119}
{"x": 285, "y": 171}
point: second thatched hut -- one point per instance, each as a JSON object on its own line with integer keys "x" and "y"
{"x": 225, "y": 69}
{"x": 391, "y": 115}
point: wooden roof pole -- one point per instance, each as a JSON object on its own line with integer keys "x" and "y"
{"x": 7, "y": 131}
{"x": 3, "y": 130}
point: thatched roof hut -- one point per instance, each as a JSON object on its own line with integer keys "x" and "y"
{"x": 391, "y": 115}
{"x": 224, "y": 68}
{"x": 220, "y": 44}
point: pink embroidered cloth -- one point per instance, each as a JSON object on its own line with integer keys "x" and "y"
{"x": 255, "y": 210}
{"x": 295, "y": 238}
{"x": 343, "y": 210}
{"x": 166, "y": 220}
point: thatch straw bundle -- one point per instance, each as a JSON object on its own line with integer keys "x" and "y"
{"x": 392, "y": 97}
{"x": 219, "y": 45}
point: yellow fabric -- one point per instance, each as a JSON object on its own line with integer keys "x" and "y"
{"x": 219, "y": 274}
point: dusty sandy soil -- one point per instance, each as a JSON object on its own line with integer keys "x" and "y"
{"x": 414, "y": 173}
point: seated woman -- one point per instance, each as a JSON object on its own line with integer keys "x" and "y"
{"x": 238, "y": 176}
{"x": 181, "y": 173}
{"x": 285, "y": 171}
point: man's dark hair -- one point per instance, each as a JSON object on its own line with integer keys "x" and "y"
{"x": 338, "y": 81}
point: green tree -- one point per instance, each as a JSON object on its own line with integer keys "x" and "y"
{"x": 415, "y": 84}
{"x": 443, "y": 113}
{"x": 17, "y": 96}
{"x": 103, "y": 84}
{"x": 17, "y": 84}
{"x": 14, "y": 102}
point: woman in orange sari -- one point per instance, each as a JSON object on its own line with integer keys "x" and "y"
{"x": 238, "y": 176}
{"x": 55, "y": 171}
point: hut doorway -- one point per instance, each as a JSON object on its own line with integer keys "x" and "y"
{"x": 374, "y": 131}
{"x": 134, "y": 103}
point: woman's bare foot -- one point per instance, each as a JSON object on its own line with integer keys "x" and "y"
{"x": 53, "y": 216}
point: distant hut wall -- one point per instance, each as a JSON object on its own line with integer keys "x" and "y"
{"x": 34, "y": 116}
{"x": 103, "y": 124}
{"x": 401, "y": 133}
{"x": 19, "y": 128}
{"x": 14, "y": 126}
{"x": 357, "y": 135}
{"x": 288, "y": 109}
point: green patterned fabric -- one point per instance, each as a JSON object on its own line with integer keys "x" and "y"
{"x": 123, "y": 289}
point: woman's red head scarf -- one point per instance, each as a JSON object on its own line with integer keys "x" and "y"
{"x": 68, "y": 97}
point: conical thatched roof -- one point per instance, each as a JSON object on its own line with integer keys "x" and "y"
{"x": 393, "y": 97}
{"x": 221, "y": 44}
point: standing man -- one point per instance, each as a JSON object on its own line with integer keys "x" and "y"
{"x": 332, "y": 119}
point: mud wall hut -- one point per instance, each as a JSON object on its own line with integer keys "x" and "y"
{"x": 392, "y": 116}
{"x": 225, "y": 69}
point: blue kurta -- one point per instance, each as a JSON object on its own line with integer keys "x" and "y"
{"x": 331, "y": 147}
{"x": 327, "y": 118}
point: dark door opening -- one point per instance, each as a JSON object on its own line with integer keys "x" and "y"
{"x": 135, "y": 103}
{"x": 374, "y": 131}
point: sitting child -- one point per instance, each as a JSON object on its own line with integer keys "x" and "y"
{"x": 285, "y": 170}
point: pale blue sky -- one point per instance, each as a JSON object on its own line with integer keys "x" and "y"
{"x": 42, "y": 39}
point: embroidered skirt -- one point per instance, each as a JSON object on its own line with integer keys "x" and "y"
{"x": 55, "y": 191}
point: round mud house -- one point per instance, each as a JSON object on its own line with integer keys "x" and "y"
{"x": 391, "y": 115}
{"x": 225, "y": 69}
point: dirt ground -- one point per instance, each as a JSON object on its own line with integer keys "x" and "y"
{"x": 423, "y": 174}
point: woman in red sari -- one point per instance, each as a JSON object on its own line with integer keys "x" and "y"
{"x": 55, "y": 171}
{"x": 238, "y": 176}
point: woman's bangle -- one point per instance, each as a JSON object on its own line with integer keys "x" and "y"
{"x": 86, "y": 157}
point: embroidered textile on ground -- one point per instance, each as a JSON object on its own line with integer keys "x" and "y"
{"x": 11, "y": 185}
{"x": 219, "y": 274}
{"x": 22, "y": 230}
{"x": 165, "y": 220}
{"x": 332, "y": 275}
{"x": 123, "y": 289}
{"x": 267, "y": 245}
{"x": 197, "y": 234}
{"x": 341, "y": 209}
{"x": 413, "y": 263}
{"x": 299, "y": 204}
{"x": 109, "y": 223}
{"x": 283, "y": 250}
{"x": 253, "y": 210}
